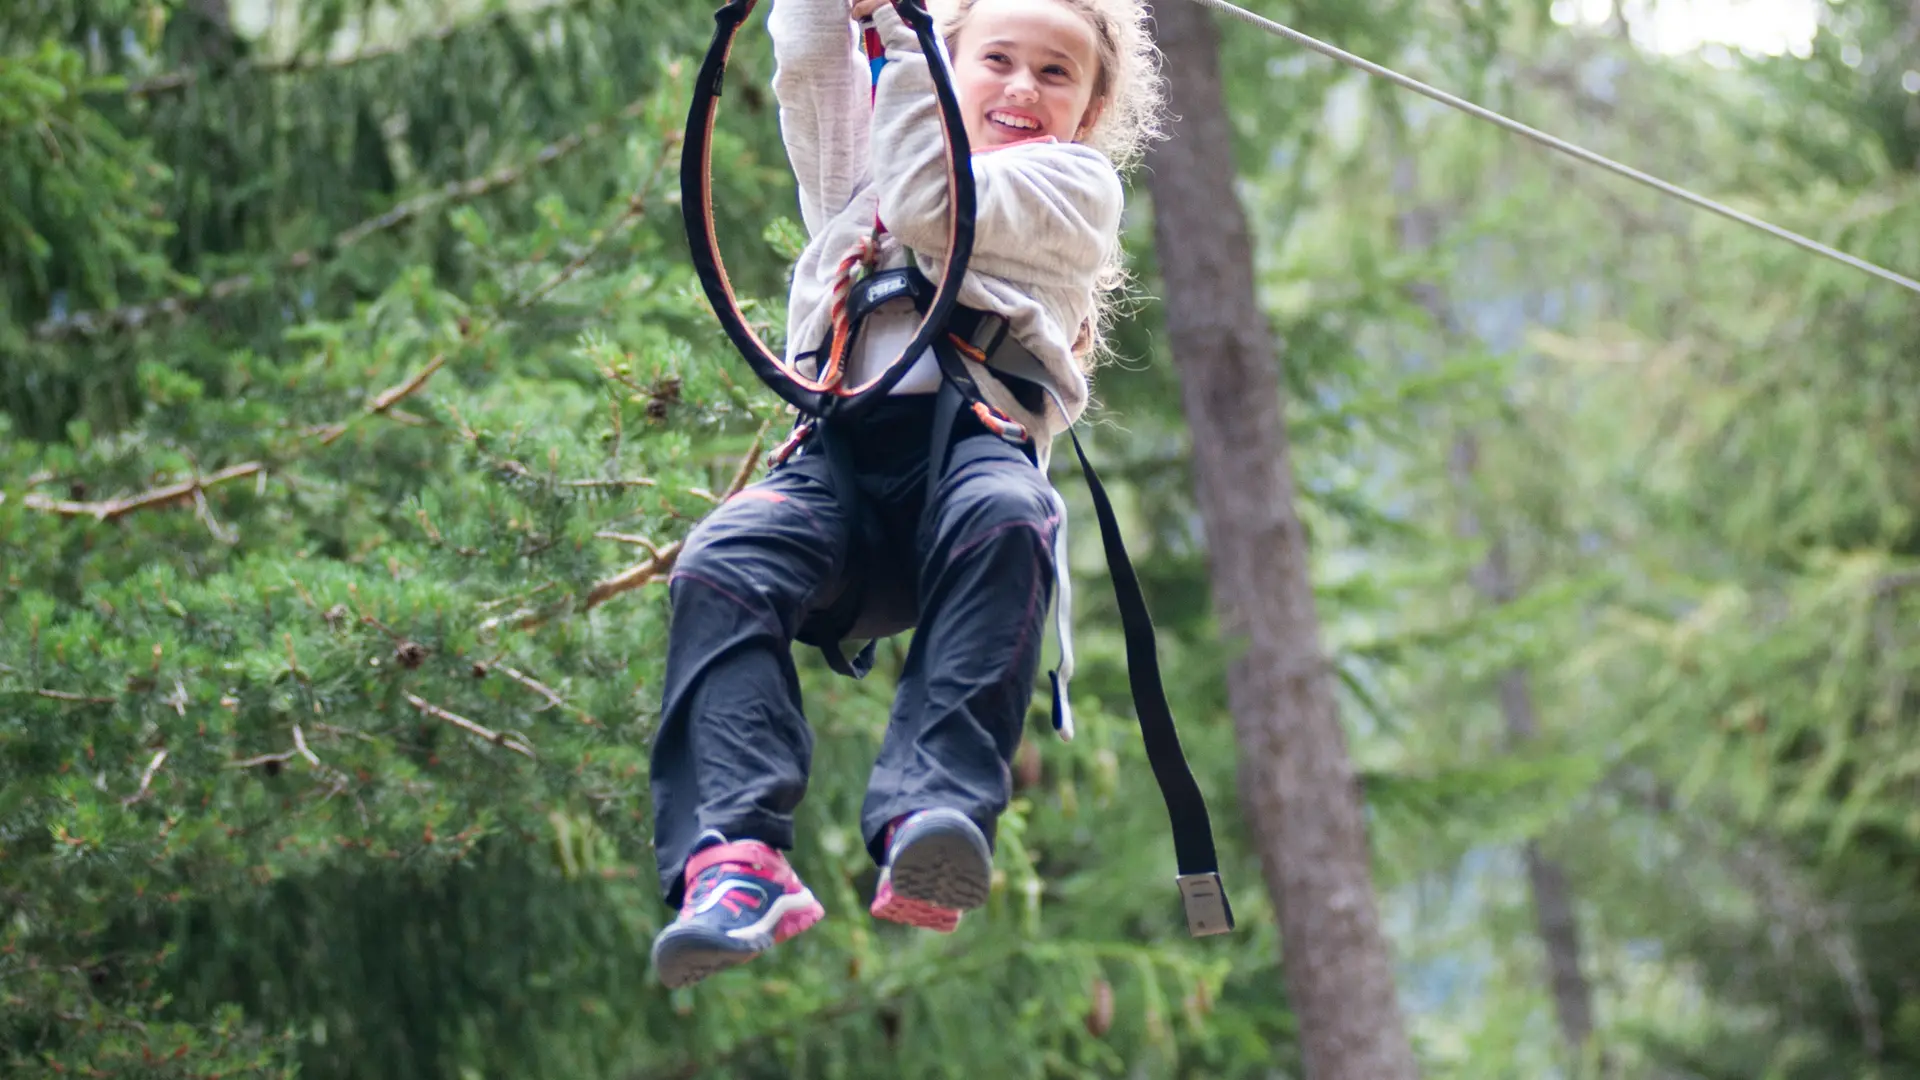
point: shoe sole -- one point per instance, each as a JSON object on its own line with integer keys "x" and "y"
{"x": 944, "y": 862}
{"x": 684, "y": 955}
{"x": 683, "y": 959}
{"x": 893, "y": 907}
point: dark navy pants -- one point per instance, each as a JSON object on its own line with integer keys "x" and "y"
{"x": 734, "y": 749}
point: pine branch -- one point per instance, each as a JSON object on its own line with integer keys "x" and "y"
{"x": 114, "y": 509}
{"x": 662, "y": 560}
{"x": 629, "y": 538}
{"x": 394, "y": 394}
{"x": 297, "y": 65}
{"x": 454, "y": 193}
{"x": 633, "y": 577}
{"x": 146, "y": 779}
{"x": 386, "y": 400}
{"x": 204, "y": 511}
{"x": 554, "y": 700}
{"x": 490, "y": 605}
{"x": 194, "y": 490}
{"x": 633, "y": 483}
{"x": 652, "y": 568}
{"x": 461, "y": 722}
{"x": 744, "y": 471}
{"x": 636, "y": 209}
{"x": 553, "y": 696}
{"x": 339, "y": 778}
{"x": 300, "y": 744}
{"x": 84, "y": 699}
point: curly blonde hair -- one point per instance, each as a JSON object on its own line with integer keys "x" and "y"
{"x": 1133, "y": 103}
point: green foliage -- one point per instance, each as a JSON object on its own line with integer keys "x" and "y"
{"x": 352, "y": 366}
{"x": 62, "y": 156}
{"x": 332, "y": 641}
{"x": 1696, "y": 462}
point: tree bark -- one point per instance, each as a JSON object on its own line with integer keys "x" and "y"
{"x": 1296, "y": 777}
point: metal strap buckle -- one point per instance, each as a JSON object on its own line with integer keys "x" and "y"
{"x": 1205, "y": 898}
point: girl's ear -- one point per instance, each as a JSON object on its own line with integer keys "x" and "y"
{"x": 1092, "y": 117}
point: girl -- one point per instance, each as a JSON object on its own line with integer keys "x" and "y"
{"x": 1057, "y": 96}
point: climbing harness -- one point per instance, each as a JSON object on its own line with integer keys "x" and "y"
{"x": 1552, "y": 142}
{"x": 824, "y": 397}
{"x": 960, "y": 339}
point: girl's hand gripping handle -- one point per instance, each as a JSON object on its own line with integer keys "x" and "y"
{"x": 862, "y": 12}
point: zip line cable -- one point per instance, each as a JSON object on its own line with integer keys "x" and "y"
{"x": 1555, "y": 143}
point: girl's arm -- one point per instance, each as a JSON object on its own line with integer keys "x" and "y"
{"x": 1044, "y": 216}
{"x": 822, "y": 84}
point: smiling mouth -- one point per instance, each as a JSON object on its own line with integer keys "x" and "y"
{"x": 1024, "y": 125}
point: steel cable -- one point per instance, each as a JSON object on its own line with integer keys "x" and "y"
{"x": 1552, "y": 142}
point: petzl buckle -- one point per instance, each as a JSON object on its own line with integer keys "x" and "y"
{"x": 1205, "y": 898}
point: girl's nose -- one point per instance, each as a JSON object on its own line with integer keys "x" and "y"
{"x": 1021, "y": 88}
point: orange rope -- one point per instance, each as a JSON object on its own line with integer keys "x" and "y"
{"x": 861, "y": 257}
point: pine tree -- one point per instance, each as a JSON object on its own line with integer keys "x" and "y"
{"x": 1691, "y": 445}
{"x": 357, "y": 393}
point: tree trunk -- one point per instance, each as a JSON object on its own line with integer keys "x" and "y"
{"x": 1296, "y": 778}
{"x": 1552, "y": 895}
{"x": 1554, "y": 917}
{"x": 1553, "y": 910}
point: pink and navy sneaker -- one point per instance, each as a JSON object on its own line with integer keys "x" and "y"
{"x": 742, "y": 899}
{"x": 938, "y": 866}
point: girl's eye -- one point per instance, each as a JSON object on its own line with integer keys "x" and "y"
{"x": 997, "y": 58}
{"x": 1057, "y": 71}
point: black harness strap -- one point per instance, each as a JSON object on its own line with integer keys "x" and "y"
{"x": 946, "y": 409}
{"x": 846, "y": 489}
{"x": 1201, "y": 891}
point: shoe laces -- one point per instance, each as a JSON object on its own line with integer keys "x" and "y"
{"x": 712, "y": 874}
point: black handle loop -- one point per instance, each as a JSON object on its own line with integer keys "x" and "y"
{"x": 696, "y": 201}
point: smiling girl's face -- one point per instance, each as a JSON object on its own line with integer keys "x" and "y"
{"x": 1025, "y": 69}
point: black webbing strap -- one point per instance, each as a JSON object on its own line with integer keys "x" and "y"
{"x": 946, "y": 409}
{"x": 1201, "y": 891}
{"x": 846, "y": 491}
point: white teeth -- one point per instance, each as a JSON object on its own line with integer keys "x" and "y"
{"x": 1013, "y": 121}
